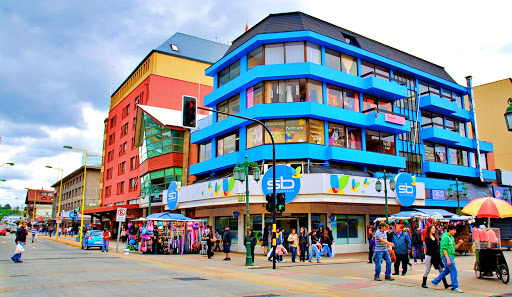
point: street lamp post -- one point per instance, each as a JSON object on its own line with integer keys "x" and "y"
{"x": 60, "y": 195}
{"x": 508, "y": 115}
{"x": 241, "y": 173}
{"x": 83, "y": 190}
{"x": 457, "y": 192}
{"x": 378, "y": 188}
{"x": 8, "y": 163}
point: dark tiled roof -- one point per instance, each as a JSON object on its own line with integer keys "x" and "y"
{"x": 298, "y": 21}
{"x": 194, "y": 48}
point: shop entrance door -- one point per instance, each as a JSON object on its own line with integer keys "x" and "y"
{"x": 288, "y": 224}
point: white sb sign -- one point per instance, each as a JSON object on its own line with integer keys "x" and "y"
{"x": 121, "y": 215}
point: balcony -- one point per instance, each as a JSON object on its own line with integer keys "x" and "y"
{"x": 486, "y": 147}
{"x": 448, "y": 169}
{"x": 432, "y": 102}
{"x": 364, "y": 157}
{"x": 383, "y": 87}
{"x": 386, "y": 121}
{"x": 439, "y": 134}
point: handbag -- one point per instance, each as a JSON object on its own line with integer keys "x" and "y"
{"x": 19, "y": 249}
{"x": 392, "y": 255}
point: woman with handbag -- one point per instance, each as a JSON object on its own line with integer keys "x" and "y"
{"x": 210, "y": 240}
{"x": 433, "y": 255}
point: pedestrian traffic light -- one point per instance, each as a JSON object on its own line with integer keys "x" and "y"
{"x": 189, "y": 112}
{"x": 75, "y": 213}
{"x": 281, "y": 202}
{"x": 270, "y": 202}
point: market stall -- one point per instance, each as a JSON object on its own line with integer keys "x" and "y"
{"x": 166, "y": 233}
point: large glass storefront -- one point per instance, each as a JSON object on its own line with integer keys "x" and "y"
{"x": 221, "y": 222}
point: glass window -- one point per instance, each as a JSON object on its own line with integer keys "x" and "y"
{"x": 483, "y": 160}
{"x": 413, "y": 162}
{"x": 254, "y": 135}
{"x": 223, "y": 77}
{"x": 332, "y": 59}
{"x": 274, "y": 54}
{"x": 316, "y": 132}
{"x": 351, "y": 100}
{"x": 295, "y": 130}
{"x": 354, "y": 138}
{"x": 227, "y": 144}
{"x": 334, "y": 96}
{"x": 224, "y": 107}
{"x": 349, "y": 229}
{"x": 349, "y": 64}
{"x": 344, "y": 136}
{"x": 440, "y": 153}
{"x": 313, "y": 53}
{"x": 388, "y": 143}
{"x": 255, "y": 95}
{"x": 234, "y": 104}
{"x": 453, "y": 156}
{"x": 370, "y": 69}
{"x": 278, "y": 129}
{"x": 229, "y": 73}
{"x": 472, "y": 159}
{"x": 366, "y": 67}
{"x": 370, "y": 102}
{"x": 458, "y": 99}
{"x": 205, "y": 151}
{"x": 291, "y": 90}
{"x": 428, "y": 89}
{"x": 429, "y": 151}
{"x": 294, "y": 52}
{"x": 315, "y": 91}
{"x": 462, "y": 129}
{"x": 372, "y": 141}
{"x": 221, "y": 222}
{"x": 255, "y": 58}
{"x": 380, "y": 142}
{"x": 231, "y": 105}
{"x": 318, "y": 220}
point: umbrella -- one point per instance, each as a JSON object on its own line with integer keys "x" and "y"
{"x": 488, "y": 207}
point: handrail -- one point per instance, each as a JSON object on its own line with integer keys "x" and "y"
{"x": 440, "y": 125}
{"x": 377, "y": 110}
{"x": 437, "y": 94}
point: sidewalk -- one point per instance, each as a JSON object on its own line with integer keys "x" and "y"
{"x": 344, "y": 274}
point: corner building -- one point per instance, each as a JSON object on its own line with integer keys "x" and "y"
{"x": 342, "y": 108}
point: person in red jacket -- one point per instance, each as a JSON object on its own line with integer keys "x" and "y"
{"x": 106, "y": 240}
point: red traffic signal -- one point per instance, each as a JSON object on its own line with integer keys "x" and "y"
{"x": 189, "y": 112}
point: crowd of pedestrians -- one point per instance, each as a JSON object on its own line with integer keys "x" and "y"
{"x": 396, "y": 245}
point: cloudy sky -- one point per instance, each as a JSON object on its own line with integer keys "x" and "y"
{"x": 58, "y": 58}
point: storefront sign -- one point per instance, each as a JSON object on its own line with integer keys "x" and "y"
{"x": 405, "y": 189}
{"x": 437, "y": 194}
{"x": 394, "y": 119}
{"x": 287, "y": 181}
{"x": 236, "y": 214}
{"x": 172, "y": 195}
{"x": 498, "y": 192}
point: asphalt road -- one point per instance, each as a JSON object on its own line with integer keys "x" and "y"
{"x": 56, "y": 269}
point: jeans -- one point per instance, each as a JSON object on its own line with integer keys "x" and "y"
{"x": 377, "y": 258}
{"x": 17, "y": 257}
{"x": 105, "y": 246}
{"x": 303, "y": 249}
{"x": 326, "y": 250}
{"x": 315, "y": 252}
{"x": 448, "y": 269}
{"x": 294, "y": 252}
{"x": 418, "y": 250}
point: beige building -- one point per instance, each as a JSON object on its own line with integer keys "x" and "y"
{"x": 72, "y": 187}
{"x": 490, "y": 106}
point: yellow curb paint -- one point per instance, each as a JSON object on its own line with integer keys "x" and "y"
{"x": 210, "y": 273}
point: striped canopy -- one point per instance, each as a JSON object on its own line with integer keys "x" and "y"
{"x": 488, "y": 207}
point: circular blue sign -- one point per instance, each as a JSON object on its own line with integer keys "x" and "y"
{"x": 236, "y": 214}
{"x": 332, "y": 218}
{"x": 405, "y": 189}
{"x": 71, "y": 216}
{"x": 172, "y": 196}
{"x": 287, "y": 182}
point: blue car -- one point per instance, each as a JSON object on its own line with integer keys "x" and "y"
{"x": 93, "y": 238}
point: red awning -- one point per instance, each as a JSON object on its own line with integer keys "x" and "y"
{"x": 110, "y": 208}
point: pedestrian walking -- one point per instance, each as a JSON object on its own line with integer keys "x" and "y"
{"x": 381, "y": 253}
{"x": 21, "y": 239}
{"x": 433, "y": 255}
{"x": 217, "y": 242}
{"x": 315, "y": 247}
{"x": 280, "y": 241}
{"x": 402, "y": 248}
{"x": 448, "y": 248}
{"x": 123, "y": 235}
{"x": 33, "y": 230}
{"x": 371, "y": 245}
{"x": 106, "y": 240}
{"x": 303, "y": 244}
{"x": 293, "y": 239}
{"x": 417, "y": 243}
{"x": 227, "y": 237}
{"x": 264, "y": 240}
{"x": 251, "y": 237}
{"x": 326, "y": 242}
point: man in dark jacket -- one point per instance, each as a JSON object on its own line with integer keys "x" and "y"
{"x": 21, "y": 239}
{"x": 417, "y": 243}
{"x": 402, "y": 248}
{"x": 226, "y": 243}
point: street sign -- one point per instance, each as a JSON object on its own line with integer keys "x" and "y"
{"x": 172, "y": 195}
{"x": 121, "y": 215}
{"x": 405, "y": 189}
{"x": 72, "y": 215}
{"x": 59, "y": 220}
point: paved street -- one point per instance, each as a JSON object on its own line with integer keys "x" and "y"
{"x": 61, "y": 269}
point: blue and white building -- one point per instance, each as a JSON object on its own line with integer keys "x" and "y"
{"x": 342, "y": 108}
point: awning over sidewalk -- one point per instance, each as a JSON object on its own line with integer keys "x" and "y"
{"x": 110, "y": 208}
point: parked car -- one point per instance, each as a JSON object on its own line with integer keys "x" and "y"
{"x": 3, "y": 231}
{"x": 93, "y": 238}
{"x": 13, "y": 229}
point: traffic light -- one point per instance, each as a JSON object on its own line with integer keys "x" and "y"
{"x": 270, "y": 202}
{"x": 189, "y": 112}
{"x": 281, "y": 202}
{"x": 75, "y": 213}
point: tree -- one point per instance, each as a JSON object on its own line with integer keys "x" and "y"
{"x": 8, "y": 206}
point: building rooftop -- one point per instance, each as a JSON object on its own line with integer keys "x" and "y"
{"x": 193, "y": 48}
{"x": 78, "y": 171}
{"x": 298, "y": 21}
